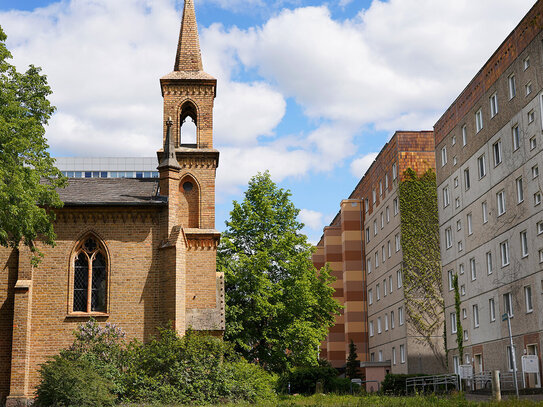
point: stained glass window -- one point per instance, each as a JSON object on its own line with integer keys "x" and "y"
{"x": 90, "y": 278}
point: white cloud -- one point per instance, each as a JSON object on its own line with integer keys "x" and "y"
{"x": 360, "y": 165}
{"x": 311, "y": 219}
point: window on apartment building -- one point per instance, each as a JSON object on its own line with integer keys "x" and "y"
{"x": 455, "y": 182}
{"x": 399, "y": 278}
{"x": 463, "y": 290}
{"x": 535, "y": 171}
{"x": 378, "y": 292}
{"x": 382, "y": 220}
{"x": 489, "y": 262}
{"x": 512, "y": 86}
{"x": 539, "y": 227}
{"x": 541, "y": 255}
{"x": 394, "y": 171}
{"x": 387, "y": 212}
{"x": 400, "y": 316}
{"x": 460, "y": 246}
{"x": 446, "y": 197}
{"x": 464, "y": 135}
{"x": 453, "y": 322}
{"x": 481, "y": 166}
{"x": 385, "y": 287}
{"x": 372, "y": 357}
{"x": 386, "y": 322}
{"x": 454, "y": 160}
{"x": 380, "y": 356}
{"x": 386, "y": 182}
{"x": 493, "y": 106}
{"x": 528, "y": 299}
{"x": 459, "y": 224}
{"x": 457, "y": 202}
{"x": 390, "y": 285}
{"x": 473, "y": 268}
{"x": 492, "y": 309}
{"x": 373, "y": 196}
{"x": 484, "y": 208}
{"x": 453, "y": 140}
{"x": 389, "y": 249}
{"x": 367, "y": 205}
{"x": 533, "y": 143}
{"x": 391, "y": 319}
{"x": 508, "y": 304}
{"x": 90, "y": 271}
{"x": 523, "y": 243}
{"x": 402, "y": 353}
{"x": 504, "y": 252}
{"x": 371, "y": 328}
{"x": 380, "y": 188}
{"x": 466, "y": 337}
{"x": 383, "y": 256}
{"x": 516, "y": 137}
{"x": 396, "y": 206}
{"x": 379, "y": 325}
{"x": 464, "y": 313}
{"x": 500, "y": 198}
{"x": 497, "y": 151}
{"x": 537, "y": 198}
{"x": 520, "y": 190}
{"x": 528, "y": 88}
{"x": 375, "y": 227}
{"x": 450, "y": 277}
{"x": 467, "y": 183}
{"x": 370, "y": 296}
{"x": 478, "y": 121}
{"x": 393, "y": 356}
{"x": 476, "y": 316}
{"x": 397, "y": 241}
{"x": 368, "y": 234}
{"x": 444, "y": 156}
{"x": 461, "y": 268}
{"x": 470, "y": 223}
{"x": 448, "y": 238}
{"x": 368, "y": 265}
{"x": 526, "y": 63}
{"x": 376, "y": 259}
{"x": 531, "y": 116}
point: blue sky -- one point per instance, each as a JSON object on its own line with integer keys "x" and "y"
{"x": 309, "y": 89}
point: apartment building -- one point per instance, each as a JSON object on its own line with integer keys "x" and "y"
{"x": 362, "y": 246}
{"x": 488, "y": 153}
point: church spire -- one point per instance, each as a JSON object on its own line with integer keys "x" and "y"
{"x": 188, "y": 56}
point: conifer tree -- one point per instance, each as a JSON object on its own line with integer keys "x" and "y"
{"x": 353, "y": 363}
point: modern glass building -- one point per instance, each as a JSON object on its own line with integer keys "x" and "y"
{"x": 108, "y": 167}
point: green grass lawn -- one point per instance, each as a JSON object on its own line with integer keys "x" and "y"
{"x": 380, "y": 401}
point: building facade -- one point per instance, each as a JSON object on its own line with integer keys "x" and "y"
{"x": 488, "y": 153}
{"x": 362, "y": 246}
{"x": 107, "y": 167}
{"x": 139, "y": 253}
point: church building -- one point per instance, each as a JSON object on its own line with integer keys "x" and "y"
{"x": 138, "y": 253}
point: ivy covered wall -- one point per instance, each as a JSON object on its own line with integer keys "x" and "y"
{"x": 422, "y": 282}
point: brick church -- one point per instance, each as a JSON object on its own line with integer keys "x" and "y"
{"x": 139, "y": 253}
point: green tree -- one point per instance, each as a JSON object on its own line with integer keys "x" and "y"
{"x": 278, "y": 307}
{"x": 28, "y": 177}
{"x": 351, "y": 369}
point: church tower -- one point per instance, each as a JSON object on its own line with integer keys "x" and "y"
{"x": 193, "y": 291}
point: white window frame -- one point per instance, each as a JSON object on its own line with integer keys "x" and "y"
{"x": 484, "y": 209}
{"x": 528, "y": 88}
{"x": 402, "y": 353}
{"x": 516, "y": 137}
{"x": 378, "y": 292}
{"x": 497, "y": 152}
{"x": 391, "y": 319}
{"x": 533, "y": 143}
{"x": 393, "y": 356}
{"x": 512, "y": 86}
{"x": 450, "y": 277}
{"x": 446, "y": 196}
{"x": 371, "y": 328}
{"x": 400, "y": 316}
{"x": 504, "y": 253}
{"x": 492, "y": 309}
{"x": 478, "y": 121}
{"x": 500, "y": 200}
{"x": 537, "y": 198}
{"x": 528, "y": 301}
{"x": 444, "y": 156}
{"x": 535, "y": 171}
{"x": 481, "y": 165}
{"x": 489, "y": 265}
{"x": 379, "y": 330}
{"x": 473, "y": 269}
{"x": 467, "y": 180}
{"x": 399, "y": 278}
{"x": 396, "y": 206}
{"x": 368, "y": 265}
{"x": 453, "y": 322}
{"x": 493, "y": 105}
{"x": 448, "y": 238}
{"x": 475, "y": 315}
{"x": 397, "y": 242}
{"x": 524, "y": 243}
{"x": 370, "y": 296}
{"x": 531, "y": 116}
{"x": 470, "y": 223}
{"x": 464, "y": 135}
{"x": 520, "y": 190}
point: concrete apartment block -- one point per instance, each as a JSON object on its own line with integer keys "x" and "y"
{"x": 488, "y": 156}
{"x": 155, "y": 239}
{"x": 362, "y": 247}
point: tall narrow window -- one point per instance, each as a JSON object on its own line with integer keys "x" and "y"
{"x": 467, "y": 182}
{"x": 497, "y": 150}
{"x": 453, "y": 322}
{"x": 512, "y": 86}
{"x": 90, "y": 277}
{"x": 500, "y": 198}
{"x": 473, "y": 268}
{"x": 446, "y": 197}
{"x": 479, "y": 120}
{"x": 489, "y": 262}
{"x": 484, "y": 208}
{"x": 516, "y": 137}
{"x": 444, "y": 156}
{"x": 504, "y": 252}
{"x": 470, "y": 223}
{"x": 188, "y": 132}
{"x": 475, "y": 316}
{"x": 481, "y": 166}
{"x": 524, "y": 243}
{"x": 448, "y": 238}
{"x": 520, "y": 190}
{"x": 492, "y": 309}
{"x": 508, "y": 304}
{"x": 528, "y": 299}
{"x": 464, "y": 135}
{"x": 493, "y": 105}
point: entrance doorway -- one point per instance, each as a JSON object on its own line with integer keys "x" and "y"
{"x": 534, "y": 379}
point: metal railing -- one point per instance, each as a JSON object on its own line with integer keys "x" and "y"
{"x": 435, "y": 384}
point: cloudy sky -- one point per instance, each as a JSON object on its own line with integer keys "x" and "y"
{"x": 309, "y": 89}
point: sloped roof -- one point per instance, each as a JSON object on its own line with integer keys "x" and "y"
{"x": 111, "y": 192}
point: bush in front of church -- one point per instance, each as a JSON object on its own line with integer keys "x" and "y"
{"x": 100, "y": 369}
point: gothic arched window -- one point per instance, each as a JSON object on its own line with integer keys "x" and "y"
{"x": 90, "y": 277}
{"x": 188, "y": 127}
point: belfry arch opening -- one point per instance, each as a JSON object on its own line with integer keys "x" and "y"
{"x": 189, "y": 202}
{"x": 188, "y": 125}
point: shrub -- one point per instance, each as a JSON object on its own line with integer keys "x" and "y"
{"x": 304, "y": 379}
{"x": 395, "y": 383}
{"x": 73, "y": 382}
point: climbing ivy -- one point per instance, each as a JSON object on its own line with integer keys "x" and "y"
{"x": 459, "y": 329}
{"x": 422, "y": 257}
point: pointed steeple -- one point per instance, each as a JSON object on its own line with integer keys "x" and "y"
{"x": 168, "y": 158}
{"x": 188, "y": 56}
